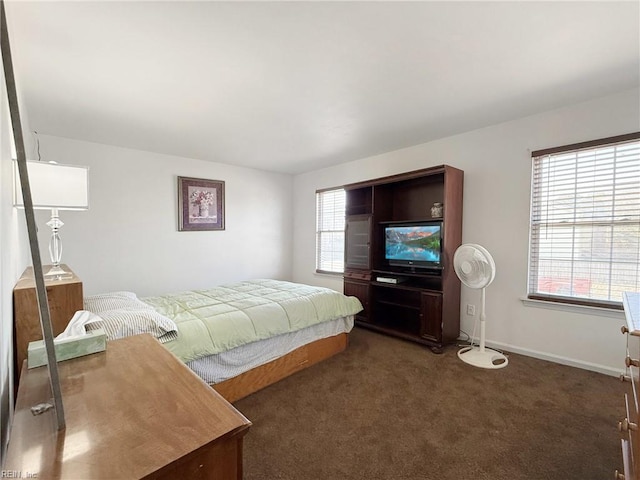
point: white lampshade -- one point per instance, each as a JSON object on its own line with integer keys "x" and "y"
{"x": 65, "y": 187}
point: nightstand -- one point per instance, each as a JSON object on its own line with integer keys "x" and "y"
{"x": 65, "y": 294}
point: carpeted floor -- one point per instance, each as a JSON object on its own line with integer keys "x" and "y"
{"x": 390, "y": 409}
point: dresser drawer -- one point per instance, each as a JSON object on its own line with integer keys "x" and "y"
{"x": 632, "y": 373}
{"x": 627, "y": 471}
{"x": 629, "y": 427}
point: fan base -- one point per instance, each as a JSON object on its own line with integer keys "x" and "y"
{"x": 486, "y": 358}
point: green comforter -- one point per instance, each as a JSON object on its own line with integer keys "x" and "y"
{"x": 219, "y": 319}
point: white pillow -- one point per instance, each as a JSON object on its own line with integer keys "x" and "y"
{"x": 125, "y": 323}
{"x": 123, "y": 315}
{"x": 112, "y": 301}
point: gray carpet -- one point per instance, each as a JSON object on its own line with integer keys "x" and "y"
{"x": 391, "y": 409}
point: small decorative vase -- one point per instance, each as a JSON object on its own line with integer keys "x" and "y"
{"x": 436, "y": 210}
{"x": 204, "y": 211}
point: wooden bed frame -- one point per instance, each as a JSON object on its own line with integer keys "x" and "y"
{"x": 253, "y": 380}
{"x": 65, "y": 298}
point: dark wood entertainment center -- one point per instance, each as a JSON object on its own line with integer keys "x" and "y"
{"x": 425, "y": 305}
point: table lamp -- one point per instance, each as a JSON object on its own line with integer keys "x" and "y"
{"x": 56, "y": 187}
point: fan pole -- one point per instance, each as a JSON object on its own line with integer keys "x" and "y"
{"x": 483, "y": 318}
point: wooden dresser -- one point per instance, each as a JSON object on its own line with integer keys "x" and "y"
{"x": 629, "y": 424}
{"x": 65, "y": 299}
{"x": 133, "y": 411}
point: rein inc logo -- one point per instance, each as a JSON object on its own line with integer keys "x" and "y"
{"x": 17, "y": 474}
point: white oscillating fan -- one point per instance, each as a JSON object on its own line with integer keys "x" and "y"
{"x": 476, "y": 269}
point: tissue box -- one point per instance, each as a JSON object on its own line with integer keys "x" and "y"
{"x": 93, "y": 342}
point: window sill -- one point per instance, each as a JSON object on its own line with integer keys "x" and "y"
{"x": 569, "y": 307}
{"x": 322, "y": 273}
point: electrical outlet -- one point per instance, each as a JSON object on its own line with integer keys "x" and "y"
{"x": 471, "y": 309}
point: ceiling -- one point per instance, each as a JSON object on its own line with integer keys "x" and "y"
{"x": 296, "y": 86}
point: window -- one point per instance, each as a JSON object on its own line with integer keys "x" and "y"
{"x": 585, "y": 222}
{"x": 330, "y": 208}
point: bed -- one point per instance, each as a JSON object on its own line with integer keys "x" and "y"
{"x": 240, "y": 337}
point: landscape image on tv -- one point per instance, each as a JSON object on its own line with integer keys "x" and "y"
{"x": 413, "y": 243}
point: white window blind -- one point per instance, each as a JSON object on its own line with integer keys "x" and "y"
{"x": 585, "y": 222}
{"x": 330, "y": 211}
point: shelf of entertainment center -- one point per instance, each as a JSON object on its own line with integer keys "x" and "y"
{"x": 436, "y": 273}
{"x": 401, "y": 295}
{"x": 404, "y": 286}
{"x": 409, "y": 280}
{"x": 410, "y": 220}
{"x": 412, "y": 312}
{"x": 396, "y": 304}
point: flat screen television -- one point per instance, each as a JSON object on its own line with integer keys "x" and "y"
{"x": 415, "y": 245}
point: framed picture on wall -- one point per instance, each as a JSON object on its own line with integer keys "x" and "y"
{"x": 200, "y": 204}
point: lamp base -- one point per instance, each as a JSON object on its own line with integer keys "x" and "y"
{"x": 56, "y": 272}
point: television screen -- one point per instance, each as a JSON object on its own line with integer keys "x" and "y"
{"x": 417, "y": 244}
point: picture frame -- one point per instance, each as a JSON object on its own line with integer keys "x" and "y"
{"x": 200, "y": 204}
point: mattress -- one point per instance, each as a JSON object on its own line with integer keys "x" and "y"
{"x": 223, "y": 366}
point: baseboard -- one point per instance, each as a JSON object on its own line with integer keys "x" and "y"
{"x": 555, "y": 358}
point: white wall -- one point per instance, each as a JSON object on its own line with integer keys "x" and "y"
{"x": 129, "y": 240}
{"x": 497, "y": 166}
{"x": 14, "y": 257}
